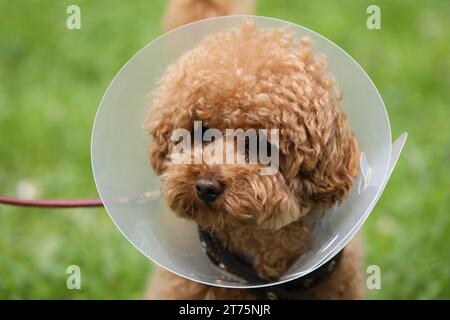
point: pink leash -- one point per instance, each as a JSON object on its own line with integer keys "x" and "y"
{"x": 51, "y": 203}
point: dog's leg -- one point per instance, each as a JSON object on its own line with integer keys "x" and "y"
{"x": 165, "y": 285}
{"x": 346, "y": 282}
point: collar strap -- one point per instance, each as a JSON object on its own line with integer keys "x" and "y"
{"x": 291, "y": 290}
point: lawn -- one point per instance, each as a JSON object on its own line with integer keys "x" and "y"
{"x": 51, "y": 82}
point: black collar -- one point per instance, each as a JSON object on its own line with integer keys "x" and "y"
{"x": 291, "y": 290}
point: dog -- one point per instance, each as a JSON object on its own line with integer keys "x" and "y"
{"x": 251, "y": 78}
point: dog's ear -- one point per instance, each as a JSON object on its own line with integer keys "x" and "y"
{"x": 160, "y": 145}
{"x": 337, "y": 163}
{"x": 158, "y": 151}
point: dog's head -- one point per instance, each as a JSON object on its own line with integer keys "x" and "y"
{"x": 252, "y": 79}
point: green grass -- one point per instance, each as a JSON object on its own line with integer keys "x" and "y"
{"x": 52, "y": 79}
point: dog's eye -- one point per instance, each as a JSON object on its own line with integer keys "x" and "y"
{"x": 213, "y": 138}
{"x": 268, "y": 151}
{"x": 197, "y": 133}
{"x": 269, "y": 148}
{"x": 199, "y": 129}
{"x": 259, "y": 143}
{"x": 304, "y": 174}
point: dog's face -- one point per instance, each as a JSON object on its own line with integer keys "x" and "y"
{"x": 253, "y": 79}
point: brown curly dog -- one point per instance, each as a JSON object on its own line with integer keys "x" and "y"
{"x": 252, "y": 78}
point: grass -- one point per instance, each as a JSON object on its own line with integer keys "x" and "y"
{"x": 51, "y": 82}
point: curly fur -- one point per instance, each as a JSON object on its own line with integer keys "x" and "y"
{"x": 257, "y": 78}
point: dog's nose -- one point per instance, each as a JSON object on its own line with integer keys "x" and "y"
{"x": 208, "y": 188}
